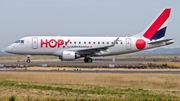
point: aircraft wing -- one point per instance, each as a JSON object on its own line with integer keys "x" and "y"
{"x": 97, "y": 49}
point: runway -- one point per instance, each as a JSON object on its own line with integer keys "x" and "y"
{"x": 80, "y": 64}
{"x": 77, "y": 62}
{"x": 134, "y": 65}
{"x": 107, "y": 64}
{"x": 94, "y": 71}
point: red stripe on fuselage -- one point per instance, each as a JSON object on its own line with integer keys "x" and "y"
{"x": 157, "y": 24}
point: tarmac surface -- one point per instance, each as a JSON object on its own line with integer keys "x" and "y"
{"x": 77, "y": 62}
{"x": 107, "y": 64}
{"x": 97, "y": 64}
{"x": 94, "y": 71}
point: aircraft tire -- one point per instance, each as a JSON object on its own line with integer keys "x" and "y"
{"x": 89, "y": 60}
{"x": 86, "y": 60}
{"x": 28, "y": 61}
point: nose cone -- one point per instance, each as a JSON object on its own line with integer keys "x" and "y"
{"x": 8, "y": 49}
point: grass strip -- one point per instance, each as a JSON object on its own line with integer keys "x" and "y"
{"x": 95, "y": 90}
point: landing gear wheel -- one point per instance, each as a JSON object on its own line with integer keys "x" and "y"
{"x": 88, "y": 60}
{"x": 28, "y": 61}
{"x": 85, "y": 60}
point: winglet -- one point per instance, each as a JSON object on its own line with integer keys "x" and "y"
{"x": 114, "y": 42}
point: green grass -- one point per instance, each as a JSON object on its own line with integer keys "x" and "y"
{"x": 12, "y": 98}
{"x": 28, "y": 98}
{"x": 106, "y": 91}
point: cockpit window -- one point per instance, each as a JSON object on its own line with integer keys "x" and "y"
{"x": 19, "y": 41}
{"x": 22, "y": 41}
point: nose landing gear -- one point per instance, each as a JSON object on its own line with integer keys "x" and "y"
{"x": 28, "y": 59}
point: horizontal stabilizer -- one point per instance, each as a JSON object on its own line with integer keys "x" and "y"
{"x": 167, "y": 41}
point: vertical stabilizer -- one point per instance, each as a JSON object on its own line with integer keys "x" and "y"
{"x": 157, "y": 28}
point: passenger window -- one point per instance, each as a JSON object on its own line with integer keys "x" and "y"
{"x": 116, "y": 42}
{"x": 98, "y": 42}
{"x": 107, "y": 42}
{"x": 79, "y": 42}
{"x": 121, "y": 42}
{"x": 93, "y": 42}
{"x": 70, "y": 42}
{"x": 74, "y": 42}
{"x": 89, "y": 42}
{"x": 102, "y": 42}
{"x": 84, "y": 42}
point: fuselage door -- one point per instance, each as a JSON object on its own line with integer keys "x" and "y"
{"x": 34, "y": 42}
{"x": 128, "y": 43}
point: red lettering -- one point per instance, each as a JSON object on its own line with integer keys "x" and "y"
{"x": 60, "y": 42}
{"x": 43, "y": 43}
{"x": 67, "y": 42}
{"x": 51, "y": 41}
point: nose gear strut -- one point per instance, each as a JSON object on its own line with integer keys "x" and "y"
{"x": 28, "y": 59}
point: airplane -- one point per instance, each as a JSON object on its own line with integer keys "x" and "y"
{"x": 71, "y": 48}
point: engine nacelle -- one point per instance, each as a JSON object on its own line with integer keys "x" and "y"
{"x": 68, "y": 55}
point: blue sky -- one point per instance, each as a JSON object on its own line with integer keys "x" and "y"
{"x": 20, "y": 18}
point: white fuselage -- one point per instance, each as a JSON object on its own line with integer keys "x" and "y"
{"x": 47, "y": 45}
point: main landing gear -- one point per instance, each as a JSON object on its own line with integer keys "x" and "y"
{"x": 88, "y": 60}
{"x": 28, "y": 59}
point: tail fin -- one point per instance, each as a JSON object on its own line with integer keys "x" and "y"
{"x": 157, "y": 28}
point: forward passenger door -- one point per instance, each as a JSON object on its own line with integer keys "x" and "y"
{"x": 34, "y": 42}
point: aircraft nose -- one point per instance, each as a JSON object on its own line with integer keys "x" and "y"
{"x": 7, "y": 49}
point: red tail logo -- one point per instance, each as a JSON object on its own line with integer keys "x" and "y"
{"x": 157, "y": 24}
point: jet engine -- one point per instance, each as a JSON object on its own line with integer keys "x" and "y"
{"x": 69, "y": 55}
